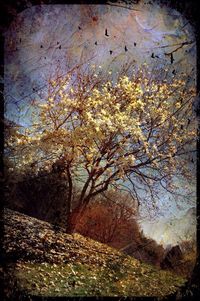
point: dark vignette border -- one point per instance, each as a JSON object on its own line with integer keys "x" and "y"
{"x": 189, "y": 8}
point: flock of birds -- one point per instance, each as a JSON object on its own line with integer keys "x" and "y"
{"x": 125, "y": 48}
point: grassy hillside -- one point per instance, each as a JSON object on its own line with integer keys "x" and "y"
{"x": 52, "y": 263}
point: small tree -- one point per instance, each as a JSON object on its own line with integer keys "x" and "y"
{"x": 106, "y": 133}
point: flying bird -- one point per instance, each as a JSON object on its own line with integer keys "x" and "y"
{"x": 154, "y": 56}
{"x": 106, "y": 33}
{"x": 125, "y": 48}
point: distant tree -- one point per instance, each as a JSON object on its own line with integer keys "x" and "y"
{"x": 108, "y": 132}
{"x": 180, "y": 259}
{"x": 172, "y": 258}
{"x": 186, "y": 266}
{"x": 110, "y": 219}
{"x": 153, "y": 252}
{"x": 145, "y": 249}
{"x": 188, "y": 246}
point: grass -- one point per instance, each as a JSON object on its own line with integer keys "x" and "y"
{"x": 73, "y": 265}
{"x": 128, "y": 278}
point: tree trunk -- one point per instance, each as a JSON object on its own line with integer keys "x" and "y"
{"x": 73, "y": 219}
{"x": 75, "y": 216}
{"x": 69, "y": 199}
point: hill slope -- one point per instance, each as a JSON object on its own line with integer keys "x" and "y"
{"x": 53, "y": 263}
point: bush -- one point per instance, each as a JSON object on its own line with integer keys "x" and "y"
{"x": 43, "y": 196}
{"x": 182, "y": 262}
{"x": 109, "y": 220}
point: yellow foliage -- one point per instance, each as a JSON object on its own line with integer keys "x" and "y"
{"x": 115, "y": 125}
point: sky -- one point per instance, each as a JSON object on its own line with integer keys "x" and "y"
{"x": 48, "y": 40}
